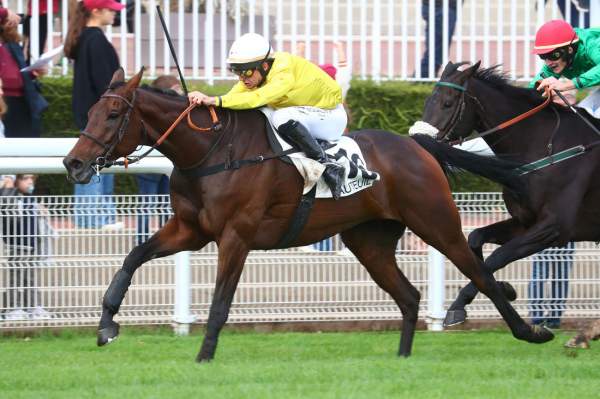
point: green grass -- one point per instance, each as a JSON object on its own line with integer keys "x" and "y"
{"x": 489, "y": 364}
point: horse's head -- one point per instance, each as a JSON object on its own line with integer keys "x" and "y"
{"x": 113, "y": 130}
{"x": 449, "y": 110}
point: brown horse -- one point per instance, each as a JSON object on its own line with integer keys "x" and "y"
{"x": 250, "y": 207}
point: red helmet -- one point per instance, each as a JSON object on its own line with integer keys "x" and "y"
{"x": 552, "y": 35}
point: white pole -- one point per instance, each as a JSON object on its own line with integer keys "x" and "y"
{"x": 594, "y": 13}
{"x": 123, "y": 38}
{"x": 195, "y": 40}
{"x": 436, "y": 291}
{"x": 183, "y": 293}
{"x": 209, "y": 43}
{"x": 181, "y": 36}
{"x": 138, "y": 35}
{"x": 376, "y": 42}
{"x": 34, "y": 29}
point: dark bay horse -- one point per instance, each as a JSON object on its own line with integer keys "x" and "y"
{"x": 563, "y": 199}
{"x": 250, "y": 208}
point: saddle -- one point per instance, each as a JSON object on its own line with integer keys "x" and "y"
{"x": 345, "y": 152}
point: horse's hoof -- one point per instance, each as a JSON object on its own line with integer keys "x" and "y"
{"x": 540, "y": 334}
{"x": 509, "y": 292}
{"x": 108, "y": 334}
{"x": 454, "y": 317}
{"x": 578, "y": 341}
{"x": 202, "y": 359}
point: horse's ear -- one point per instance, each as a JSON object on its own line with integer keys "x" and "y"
{"x": 471, "y": 70}
{"x": 448, "y": 69}
{"x": 118, "y": 76}
{"x": 134, "y": 82}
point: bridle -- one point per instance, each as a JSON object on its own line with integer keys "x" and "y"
{"x": 103, "y": 162}
{"x": 460, "y": 109}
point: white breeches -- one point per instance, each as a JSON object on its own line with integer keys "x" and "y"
{"x": 324, "y": 124}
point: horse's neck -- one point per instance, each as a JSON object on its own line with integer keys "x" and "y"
{"x": 496, "y": 108}
{"x": 184, "y": 146}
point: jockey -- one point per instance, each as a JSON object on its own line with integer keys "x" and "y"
{"x": 570, "y": 53}
{"x": 307, "y": 102}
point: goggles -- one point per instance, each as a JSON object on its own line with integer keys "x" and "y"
{"x": 243, "y": 73}
{"x": 554, "y": 55}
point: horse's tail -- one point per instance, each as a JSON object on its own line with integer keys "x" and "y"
{"x": 504, "y": 172}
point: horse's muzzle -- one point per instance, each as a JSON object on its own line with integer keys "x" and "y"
{"x": 78, "y": 171}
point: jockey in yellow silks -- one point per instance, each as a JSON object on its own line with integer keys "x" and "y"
{"x": 307, "y": 101}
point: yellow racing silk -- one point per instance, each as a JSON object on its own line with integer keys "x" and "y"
{"x": 292, "y": 81}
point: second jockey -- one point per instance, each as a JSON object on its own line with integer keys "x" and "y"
{"x": 307, "y": 101}
{"x": 571, "y": 53}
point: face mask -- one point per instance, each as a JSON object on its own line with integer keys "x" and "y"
{"x": 30, "y": 189}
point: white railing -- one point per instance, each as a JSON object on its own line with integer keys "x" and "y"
{"x": 77, "y": 263}
{"x": 324, "y": 284}
{"x": 384, "y": 39}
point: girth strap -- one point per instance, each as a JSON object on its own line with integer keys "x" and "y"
{"x": 299, "y": 219}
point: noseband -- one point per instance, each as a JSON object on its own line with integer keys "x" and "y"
{"x": 102, "y": 161}
{"x": 458, "y": 113}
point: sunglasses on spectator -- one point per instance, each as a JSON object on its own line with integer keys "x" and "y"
{"x": 243, "y": 73}
{"x": 553, "y": 55}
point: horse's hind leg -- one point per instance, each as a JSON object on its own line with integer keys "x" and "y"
{"x": 374, "y": 244}
{"x": 173, "y": 237}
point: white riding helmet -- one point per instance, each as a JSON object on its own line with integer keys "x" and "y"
{"x": 250, "y": 48}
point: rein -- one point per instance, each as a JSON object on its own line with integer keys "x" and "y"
{"x": 503, "y": 125}
{"x": 195, "y": 170}
{"x": 103, "y": 162}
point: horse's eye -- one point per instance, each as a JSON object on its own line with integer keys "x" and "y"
{"x": 113, "y": 115}
{"x": 447, "y": 104}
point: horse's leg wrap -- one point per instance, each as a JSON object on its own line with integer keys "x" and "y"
{"x": 116, "y": 291}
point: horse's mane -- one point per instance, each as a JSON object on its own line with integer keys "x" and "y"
{"x": 494, "y": 77}
{"x": 165, "y": 92}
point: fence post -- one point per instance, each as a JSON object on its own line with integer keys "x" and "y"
{"x": 183, "y": 292}
{"x": 436, "y": 290}
{"x": 594, "y": 13}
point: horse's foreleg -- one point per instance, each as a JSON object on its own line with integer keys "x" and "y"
{"x": 374, "y": 244}
{"x": 583, "y": 338}
{"x": 497, "y": 233}
{"x": 173, "y": 237}
{"x": 537, "y": 238}
{"x": 232, "y": 255}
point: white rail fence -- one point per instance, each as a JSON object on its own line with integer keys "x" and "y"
{"x": 384, "y": 39}
{"x": 73, "y": 266}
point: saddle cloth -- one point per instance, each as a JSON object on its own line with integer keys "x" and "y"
{"x": 345, "y": 151}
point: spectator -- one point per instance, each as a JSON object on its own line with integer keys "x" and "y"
{"x": 579, "y": 11}
{"x": 95, "y": 62}
{"x": 151, "y": 186}
{"x": 8, "y": 18}
{"x": 21, "y": 220}
{"x": 438, "y": 15}
{"x": 43, "y": 25}
{"x": 3, "y": 110}
{"x": 553, "y": 265}
{"x": 21, "y": 90}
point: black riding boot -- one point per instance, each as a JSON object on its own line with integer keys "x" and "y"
{"x": 298, "y": 136}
